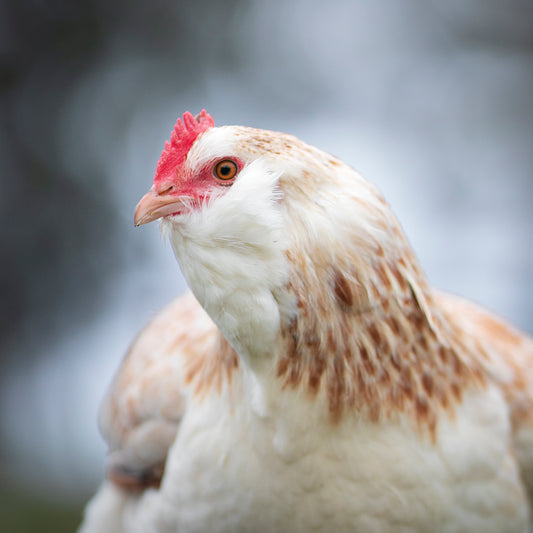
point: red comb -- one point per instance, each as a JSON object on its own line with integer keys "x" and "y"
{"x": 181, "y": 139}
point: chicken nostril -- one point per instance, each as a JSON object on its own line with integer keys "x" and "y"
{"x": 165, "y": 190}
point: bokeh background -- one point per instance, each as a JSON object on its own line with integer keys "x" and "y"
{"x": 432, "y": 101}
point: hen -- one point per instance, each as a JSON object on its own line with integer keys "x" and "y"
{"x": 328, "y": 387}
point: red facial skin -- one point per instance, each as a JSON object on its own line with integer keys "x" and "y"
{"x": 201, "y": 185}
{"x": 184, "y": 190}
{"x": 175, "y": 188}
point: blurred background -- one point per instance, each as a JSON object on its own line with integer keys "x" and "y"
{"x": 432, "y": 101}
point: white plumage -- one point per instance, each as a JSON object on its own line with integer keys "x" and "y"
{"x": 328, "y": 387}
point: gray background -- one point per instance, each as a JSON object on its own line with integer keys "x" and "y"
{"x": 431, "y": 101}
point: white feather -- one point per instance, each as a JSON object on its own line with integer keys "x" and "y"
{"x": 231, "y": 252}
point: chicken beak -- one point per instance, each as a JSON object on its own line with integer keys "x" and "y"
{"x": 155, "y": 205}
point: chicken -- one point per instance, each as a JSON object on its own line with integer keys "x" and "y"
{"x": 328, "y": 387}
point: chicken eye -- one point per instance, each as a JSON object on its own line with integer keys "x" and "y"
{"x": 226, "y": 170}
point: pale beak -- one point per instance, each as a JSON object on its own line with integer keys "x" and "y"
{"x": 153, "y": 206}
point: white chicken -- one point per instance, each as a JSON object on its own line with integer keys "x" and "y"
{"x": 328, "y": 387}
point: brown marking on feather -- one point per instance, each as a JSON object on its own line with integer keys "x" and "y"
{"x": 428, "y": 384}
{"x": 407, "y": 383}
{"x": 375, "y": 292}
{"x": 282, "y": 366}
{"x": 345, "y": 332}
{"x": 395, "y": 361}
{"x": 373, "y": 331}
{"x": 192, "y": 369}
{"x": 374, "y": 410}
{"x": 336, "y": 389}
{"x": 424, "y": 343}
{"x": 342, "y": 288}
{"x": 402, "y": 283}
{"x": 292, "y": 347}
{"x": 312, "y": 341}
{"x": 417, "y": 319}
{"x": 331, "y": 343}
{"x": 394, "y": 325}
{"x": 416, "y": 374}
{"x": 456, "y": 390}
{"x": 458, "y": 366}
{"x": 383, "y": 276}
{"x": 422, "y": 407}
{"x": 368, "y": 366}
{"x": 294, "y": 375}
{"x": 443, "y": 399}
{"x": 316, "y": 370}
{"x": 385, "y": 378}
{"x": 212, "y": 369}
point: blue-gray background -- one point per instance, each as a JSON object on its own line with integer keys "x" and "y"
{"x": 432, "y": 101}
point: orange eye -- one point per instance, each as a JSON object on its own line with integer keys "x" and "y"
{"x": 226, "y": 170}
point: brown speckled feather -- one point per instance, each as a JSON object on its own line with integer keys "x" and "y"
{"x": 141, "y": 413}
{"x": 507, "y": 356}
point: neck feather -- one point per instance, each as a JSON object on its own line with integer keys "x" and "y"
{"x": 368, "y": 336}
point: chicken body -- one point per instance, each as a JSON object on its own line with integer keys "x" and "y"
{"x": 324, "y": 386}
